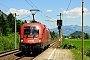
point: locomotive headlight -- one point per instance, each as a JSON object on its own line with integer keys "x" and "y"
{"x": 21, "y": 40}
{"x": 39, "y": 40}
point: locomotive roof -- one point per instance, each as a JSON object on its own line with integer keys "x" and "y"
{"x": 34, "y": 24}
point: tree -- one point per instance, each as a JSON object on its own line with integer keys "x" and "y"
{"x": 4, "y": 26}
{"x": 1, "y": 23}
{"x": 73, "y": 36}
{"x": 86, "y": 36}
{"x": 78, "y": 36}
{"x": 19, "y": 24}
{"x": 31, "y": 21}
{"x": 25, "y": 21}
{"x": 53, "y": 35}
{"x": 11, "y": 21}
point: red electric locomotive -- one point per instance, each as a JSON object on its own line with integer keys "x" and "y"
{"x": 34, "y": 37}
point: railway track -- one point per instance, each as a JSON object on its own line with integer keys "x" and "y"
{"x": 26, "y": 57}
{"x": 5, "y": 53}
{"x": 18, "y": 55}
{"x": 32, "y": 56}
{"x": 44, "y": 55}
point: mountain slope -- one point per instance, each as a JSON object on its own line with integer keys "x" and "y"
{"x": 76, "y": 33}
{"x": 67, "y": 30}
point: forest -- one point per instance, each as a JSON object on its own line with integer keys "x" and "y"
{"x": 7, "y": 29}
{"x": 7, "y": 24}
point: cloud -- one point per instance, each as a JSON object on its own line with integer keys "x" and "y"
{"x": 19, "y": 12}
{"x": 62, "y": 9}
{"x": 76, "y": 12}
{"x": 48, "y": 10}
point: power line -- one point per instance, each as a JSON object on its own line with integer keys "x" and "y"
{"x": 25, "y": 17}
{"x": 35, "y": 7}
{"x": 8, "y": 8}
{"x": 3, "y": 10}
{"x": 66, "y": 9}
{"x": 29, "y": 3}
{"x": 33, "y": 4}
{"x": 4, "y": 5}
{"x": 69, "y": 5}
{"x": 40, "y": 11}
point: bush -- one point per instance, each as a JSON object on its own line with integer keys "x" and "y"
{"x": 88, "y": 52}
{"x": 68, "y": 46}
{"x": 75, "y": 46}
{"x": 8, "y": 42}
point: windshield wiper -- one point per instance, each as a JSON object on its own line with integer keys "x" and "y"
{"x": 26, "y": 36}
{"x": 33, "y": 35}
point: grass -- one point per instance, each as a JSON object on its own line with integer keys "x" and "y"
{"x": 78, "y": 55}
{"x": 8, "y": 42}
{"x": 77, "y": 52}
{"x": 78, "y": 43}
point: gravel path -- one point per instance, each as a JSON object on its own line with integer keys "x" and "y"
{"x": 55, "y": 54}
{"x": 62, "y": 54}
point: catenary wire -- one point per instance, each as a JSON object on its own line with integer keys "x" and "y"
{"x": 36, "y": 7}
{"x": 68, "y": 5}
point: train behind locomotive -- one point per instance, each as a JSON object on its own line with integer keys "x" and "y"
{"x": 34, "y": 37}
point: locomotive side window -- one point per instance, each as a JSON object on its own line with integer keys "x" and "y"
{"x": 31, "y": 31}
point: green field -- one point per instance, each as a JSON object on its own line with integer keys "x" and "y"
{"x": 78, "y": 43}
{"x": 77, "y": 49}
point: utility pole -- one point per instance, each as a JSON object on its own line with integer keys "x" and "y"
{"x": 15, "y": 31}
{"x": 82, "y": 30}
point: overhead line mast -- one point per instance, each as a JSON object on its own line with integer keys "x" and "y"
{"x": 82, "y": 30}
{"x": 15, "y": 32}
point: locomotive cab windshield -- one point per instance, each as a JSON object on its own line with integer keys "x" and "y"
{"x": 31, "y": 31}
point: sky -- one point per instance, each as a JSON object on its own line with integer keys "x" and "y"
{"x": 49, "y": 9}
